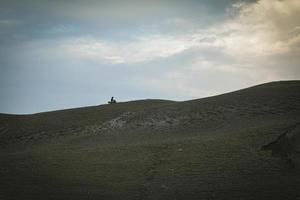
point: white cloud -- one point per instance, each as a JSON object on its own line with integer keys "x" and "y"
{"x": 254, "y": 38}
{"x": 257, "y": 30}
{"x": 140, "y": 50}
{"x": 262, "y": 29}
{"x": 242, "y": 48}
{"x": 172, "y": 57}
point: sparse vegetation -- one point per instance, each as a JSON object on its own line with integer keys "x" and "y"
{"x": 209, "y": 148}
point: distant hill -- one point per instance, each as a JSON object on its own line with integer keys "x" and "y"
{"x": 240, "y": 145}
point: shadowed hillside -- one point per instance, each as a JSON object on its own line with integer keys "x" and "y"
{"x": 240, "y": 145}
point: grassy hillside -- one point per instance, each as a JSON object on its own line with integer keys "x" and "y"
{"x": 240, "y": 145}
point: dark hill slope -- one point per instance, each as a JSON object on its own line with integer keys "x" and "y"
{"x": 49, "y": 125}
{"x": 240, "y": 145}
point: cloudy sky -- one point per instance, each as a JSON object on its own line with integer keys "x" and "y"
{"x": 57, "y": 54}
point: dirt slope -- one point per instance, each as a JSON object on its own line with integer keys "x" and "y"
{"x": 240, "y": 145}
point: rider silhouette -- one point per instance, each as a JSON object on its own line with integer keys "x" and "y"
{"x": 112, "y": 100}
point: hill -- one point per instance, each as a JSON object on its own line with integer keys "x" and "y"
{"x": 239, "y": 145}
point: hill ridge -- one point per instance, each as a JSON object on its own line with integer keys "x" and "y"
{"x": 218, "y": 147}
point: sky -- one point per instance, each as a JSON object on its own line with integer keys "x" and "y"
{"x": 58, "y": 54}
